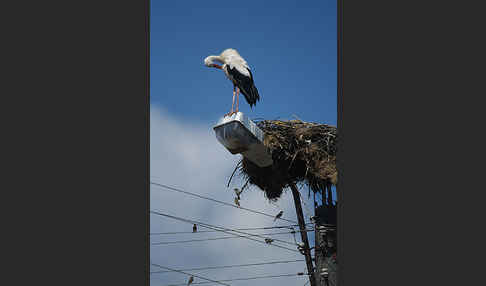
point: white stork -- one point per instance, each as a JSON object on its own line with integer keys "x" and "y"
{"x": 238, "y": 71}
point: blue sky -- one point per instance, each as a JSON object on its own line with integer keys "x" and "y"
{"x": 291, "y": 49}
{"x": 289, "y": 45}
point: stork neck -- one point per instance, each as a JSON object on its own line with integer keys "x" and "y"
{"x": 216, "y": 58}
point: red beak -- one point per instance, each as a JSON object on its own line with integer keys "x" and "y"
{"x": 216, "y": 66}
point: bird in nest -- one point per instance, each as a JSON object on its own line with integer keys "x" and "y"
{"x": 279, "y": 215}
{"x": 239, "y": 73}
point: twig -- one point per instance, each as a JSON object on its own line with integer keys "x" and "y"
{"x": 234, "y": 171}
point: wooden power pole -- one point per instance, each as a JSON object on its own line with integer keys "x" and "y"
{"x": 303, "y": 234}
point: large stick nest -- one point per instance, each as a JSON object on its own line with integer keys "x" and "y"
{"x": 302, "y": 152}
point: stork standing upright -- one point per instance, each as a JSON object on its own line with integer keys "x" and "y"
{"x": 238, "y": 72}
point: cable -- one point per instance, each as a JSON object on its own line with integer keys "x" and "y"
{"x": 293, "y": 233}
{"x": 247, "y": 234}
{"x": 248, "y": 278}
{"x": 222, "y": 229}
{"x": 218, "y": 238}
{"x": 254, "y": 228}
{"x": 232, "y": 266}
{"x": 190, "y": 274}
{"x": 225, "y": 230}
{"x": 224, "y": 203}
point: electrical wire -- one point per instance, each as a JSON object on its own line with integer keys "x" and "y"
{"x": 217, "y": 201}
{"x": 247, "y": 278}
{"x": 225, "y": 230}
{"x": 222, "y": 229}
{"x": 254, "y": 228}
{"x": 233, "y": 266}
{"x": 219, "y": 238}
{"x": 293, "y": 233}
{"x": 210, "y": 280}
{"x": 247, "y": 235}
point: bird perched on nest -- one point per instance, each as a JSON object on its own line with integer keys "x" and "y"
{"x": 191, "y": 279}
{"x": 238, "y": 72}
{"x": 279, "y": 215}
{"x": 194, "y": 228}
{"x": 238, "y": 193}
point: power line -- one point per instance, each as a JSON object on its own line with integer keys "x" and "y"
{"x": 175, "y": 270}
{"x": 217, "y": 201}
{"x": 232, "y": 266}
{"x": 219, "y": 238}
{"x": 254, "y": 228}
{"x": 295, "y": 240}
{"x": 247, "y": 278}
{"x": 247, "y": 235}
{"x": 222, "y": 229}
{"x": 225, "y": 230}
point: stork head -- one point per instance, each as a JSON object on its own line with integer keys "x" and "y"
{"x": 209, "y": 61}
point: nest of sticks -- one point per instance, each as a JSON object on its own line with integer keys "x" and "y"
{"x": 302, "y": 153}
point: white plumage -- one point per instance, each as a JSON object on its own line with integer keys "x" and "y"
{"x": 234, "y": 60}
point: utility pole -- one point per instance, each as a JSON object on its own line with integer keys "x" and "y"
{"x": 303, "y": 234}
{"x": 326, "y": 243}
{"x": 319, "y": 255}
{"x": 326, "y": 266}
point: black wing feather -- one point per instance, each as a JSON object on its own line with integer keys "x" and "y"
{"x": 246, "y": 85}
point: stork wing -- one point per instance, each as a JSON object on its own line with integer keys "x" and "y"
{"x": 244, "y": 81}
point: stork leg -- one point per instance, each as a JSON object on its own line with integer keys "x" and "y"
{"x": 232, "y": 105}
{"x": 237, "y": 98}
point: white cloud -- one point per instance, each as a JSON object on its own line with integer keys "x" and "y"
{"x": 186, "y": 155}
